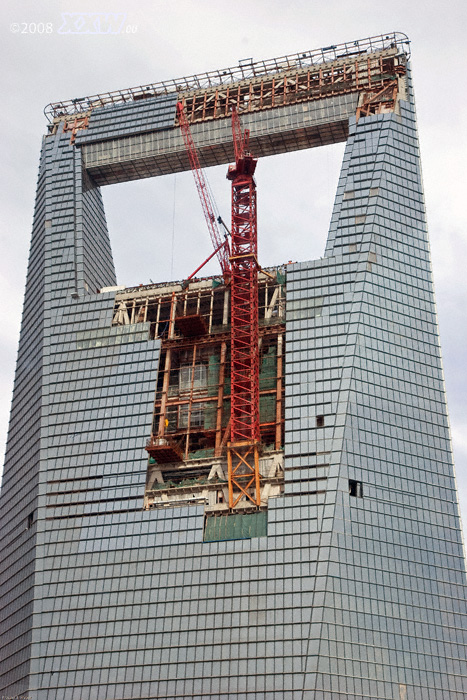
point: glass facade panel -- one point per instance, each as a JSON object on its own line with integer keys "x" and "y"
{"x": 353, "y": 586}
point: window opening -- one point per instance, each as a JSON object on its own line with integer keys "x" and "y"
{"x": 193, "y": 378}
{"x": 355, "y": 488}
{"x": 195, "y": 416}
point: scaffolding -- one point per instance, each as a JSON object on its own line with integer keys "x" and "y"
{"x": 208, "y": 89}
{"x": 191, "y": 423}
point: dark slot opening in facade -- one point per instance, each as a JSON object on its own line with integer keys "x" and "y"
{"x": 355, "y": 488}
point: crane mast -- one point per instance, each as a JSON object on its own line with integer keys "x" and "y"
{"x": 241, "y": 270}
{"x": 243, "y": 448}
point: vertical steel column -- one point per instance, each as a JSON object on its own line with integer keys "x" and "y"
{"x": 243, "y": 449}
{"x": 244, "y": 313}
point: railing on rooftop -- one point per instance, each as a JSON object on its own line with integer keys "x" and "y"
{"x": 247, "y": 69}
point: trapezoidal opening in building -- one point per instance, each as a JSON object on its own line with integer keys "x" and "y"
{"x": 187, "y": 448}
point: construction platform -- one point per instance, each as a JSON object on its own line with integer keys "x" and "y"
{"x": 187, "y": 461}
{"x": 289, "y": 103}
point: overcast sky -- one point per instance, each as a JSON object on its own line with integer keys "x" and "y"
{"x": 156, "y": 225}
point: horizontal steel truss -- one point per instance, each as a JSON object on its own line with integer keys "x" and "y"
{"x": 369, "y": 74}
{"x": 246, "y": 70}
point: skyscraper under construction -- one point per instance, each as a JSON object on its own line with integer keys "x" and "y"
{"x": 145, "y": 552}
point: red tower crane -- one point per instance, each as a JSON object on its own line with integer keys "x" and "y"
{"x": 243, "y": 449}
{"x": 220, "y": 244}
{"x": 242, "y": 270}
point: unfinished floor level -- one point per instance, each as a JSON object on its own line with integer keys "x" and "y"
{"x": 124, "y": 575}
{"x": 191, "y": 424}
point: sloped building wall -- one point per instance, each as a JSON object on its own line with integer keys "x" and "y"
{"x": 18, "y": 501}
{"x": 391, "y": 618}
{"x": 69, "y": 255}
{"x": 350, "y": 595}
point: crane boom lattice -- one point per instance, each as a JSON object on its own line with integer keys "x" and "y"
{"x": 218, "y": 241}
